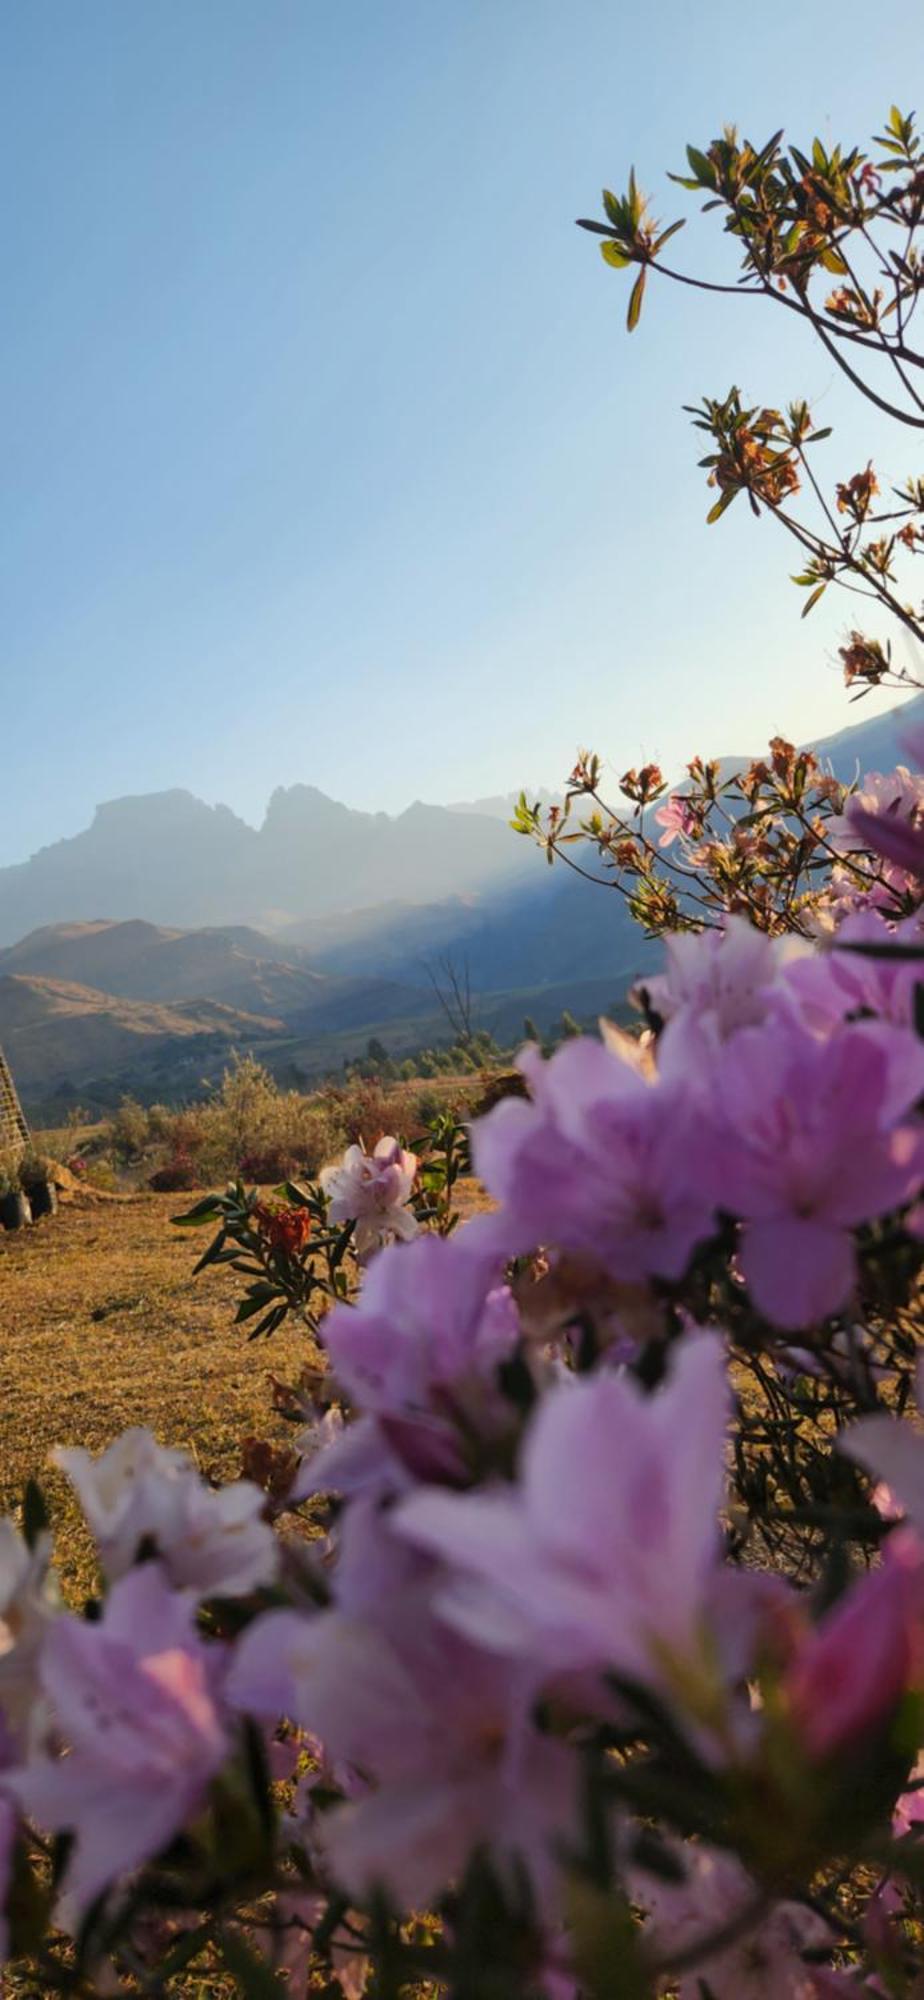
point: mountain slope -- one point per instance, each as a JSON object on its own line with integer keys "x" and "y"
{"x": 55, "y": 1031}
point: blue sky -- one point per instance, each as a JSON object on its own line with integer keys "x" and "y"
{"x": 326, "y": 455}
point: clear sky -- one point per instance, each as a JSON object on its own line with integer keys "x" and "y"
{"x": 326, "y": 456}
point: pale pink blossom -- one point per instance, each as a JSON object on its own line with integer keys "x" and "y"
{"x": 139, "y": 1497}
{"x": 438, "y": 1728}
{"x": 604, "y": 1161}
{"x": 605, "y": 1551}
{"x": 811, "y": 1137}
{"x": 419, "y": 1354}
{"x": 372, "y": 1190}
{"x": 829, "y": 986}
{"x": 135, "y": 1707}
{"x": 721, "y": 980}
{"x": 677, "y": 819}
{"x": 850, "y": 1672}
{"x": 897, "y": 795}
{"x": 884, "y": 816}
{"x": 28, "y": 1603}
{"x": 286, "y": 1940}
{"x": 765, "y": 1962}
{"x": 891, "y": 1450}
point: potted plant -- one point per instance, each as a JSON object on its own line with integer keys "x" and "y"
{"x": 36, "y": 1178}
{"x": 15, "y": 1210}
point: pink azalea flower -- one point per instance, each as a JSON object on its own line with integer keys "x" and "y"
{"x": 27, "y": 1608}
{"x": 439, "y": 1729}
{"x": 891, "y": 1449}
{"x": 721, "y": 980}
{"x": 897, "y": 795}
{"x": 852, "y": 1670}
{"x": 897, "y": 841}
{"x": 419, "y": 1353}
{"x": 884, "y": 817}
{"x": 605, "y": 1551}
{"x": 372, "y": 1190}
{"x": 604, "y": 1162}
{"x": 213, "y": 1541}
{"x": 828, "y": 986}
{"x": 808, "y": 1143}
{"x": 677, "y": 819}
{"x": 285, "y": 1939}
{"x": 764, "y": 1963}
{"x": 135, "y": 1707}
{"x": 427, "y": 1317}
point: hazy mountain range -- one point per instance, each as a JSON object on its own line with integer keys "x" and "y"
{"x": 138, "y": 953}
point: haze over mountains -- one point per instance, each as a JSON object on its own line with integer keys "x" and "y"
{"x": 140, "y": 952}
{"x": 171, "y": 859}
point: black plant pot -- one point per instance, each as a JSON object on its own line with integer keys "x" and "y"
{"x": 15, "y": 1211}
{"x": 43, "y": 1198}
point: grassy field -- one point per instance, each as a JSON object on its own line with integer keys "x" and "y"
{"x": 103, "y": 1325}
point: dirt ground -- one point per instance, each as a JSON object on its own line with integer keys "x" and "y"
{"x": 102, "y": 1325}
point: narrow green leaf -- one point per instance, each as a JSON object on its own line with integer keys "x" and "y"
{"x": 635, "y": 303}
{"x": 718, "y": 510}
{"x": 35, "y": 1515}
{"x": 202, "y": 1212}
{"x": 256, "y": 1979}
{"x": 701, "y": 167}
{"x": 810, "y": 602}
{"x": 666, "y": 235}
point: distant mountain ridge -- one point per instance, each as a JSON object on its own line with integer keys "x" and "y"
{"x": 367, "y": 914}
{"x": 170, "y": 859}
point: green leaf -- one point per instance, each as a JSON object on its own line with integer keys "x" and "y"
{"x": 202, "y": 1212}
{"x": 213, "y": 1255}
{"x": 906, "y": 953}
{"x": 611, "y": 254}
{"x": 718, "y": 510}
{"x": 613, "y": 208}
{"x": 35, "y": 1516}
{"x": 635, "y": 303}
{"x": 813, "y": 600}
{"x": 919, "y": 1010}
{"x": 257, "y": 1297}
{"x": 256, "y": 1979}
{"x": 665, "y": 237}
{"x": 604, "y": 1938}
{"x": 702, "y": 167}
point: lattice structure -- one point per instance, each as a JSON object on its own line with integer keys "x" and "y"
{"x": 14, "y": 1132}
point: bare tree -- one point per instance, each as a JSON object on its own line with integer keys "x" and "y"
{"x": 451, "y": 982}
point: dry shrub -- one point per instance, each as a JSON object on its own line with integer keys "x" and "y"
{"x": 176, "y": 1176}
{"x": 252, "y": 1128}
{"x": 248, "y": 1127}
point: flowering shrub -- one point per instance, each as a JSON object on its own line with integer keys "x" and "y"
{"x": 578, "y": 1645}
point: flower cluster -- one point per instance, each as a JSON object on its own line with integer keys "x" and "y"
{"x": 497, "y": 1691}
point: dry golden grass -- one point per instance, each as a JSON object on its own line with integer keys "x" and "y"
{"x": 103, "y": 1325}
